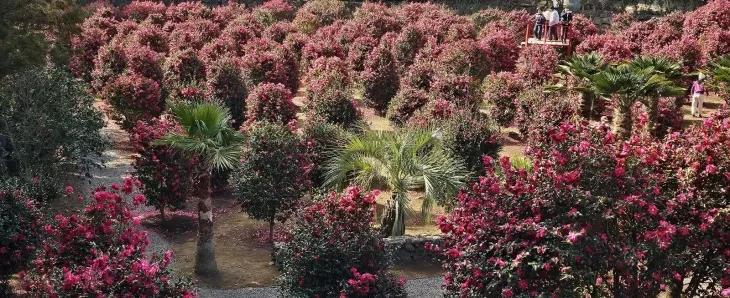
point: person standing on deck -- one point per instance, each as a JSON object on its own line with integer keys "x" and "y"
{"x": 565, "y": 18}
{"x": 698, "y": 96}
{"x": 539, "y": 24}
{"x": 554, "y": 23}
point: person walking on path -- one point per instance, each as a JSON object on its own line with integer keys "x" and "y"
{"x": 565, "y": 18}
{"x": 554, "y": 23}
{"x": 698, "y": 95}
{"x": 539, "y": 24}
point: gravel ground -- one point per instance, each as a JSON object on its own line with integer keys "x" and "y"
{"x": 117, "y": 162}
{"x": 421, "y": 288}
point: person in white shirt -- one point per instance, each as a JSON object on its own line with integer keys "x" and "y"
{"x": 554, "y": 23}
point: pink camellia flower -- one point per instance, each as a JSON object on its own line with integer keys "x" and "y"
{"x": 69, "y": 189}
{"x": 653, "y": 210}
{"x": 573, "y": 236}
{"x": 522, "y": 284}
{"x": 599, "y": 281}
{"x": 507, "y": 293}
{"x": 711, "y": 169}
{"x": 619, "y": 172}
{"x": 726, "y": 292}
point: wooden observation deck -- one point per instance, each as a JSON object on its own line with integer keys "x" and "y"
{"x": 566, "y": 43}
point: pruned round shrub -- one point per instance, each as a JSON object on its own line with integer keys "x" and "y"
{"x": 273, "y": 11}
{"x": 226, "y": 84}
{"x": 266, "y": 61}
{"x": 583, "y": 27}
{"x": 295, "y": 42}
{"x": 183, "y": 67}
{"x": 167, "y": 178}
{"x": 458, "y": 90}
{"x": 189, "y": 10}
{"x": 537, "y": 64}
{"x": 669, "y": 118}
{"x": 325, "y": 12}
{"x": 377, "y": 19}
{"x": 538, "y": 113}
{"x": 144, "y": 61}
{"x": 306, "y": 22}
{"x": 193, "y": 34}
{"x": 238, "y": 36}
{"x": 501, "y": 51}
{"x": 460, "y": 31}
{"x": 420, "y": 75}
{"x": 359, "y": 51}
{"x": 464, "y": 57}
{"x": 134, "y": 98}
{"x": 406, "y": 46}
{"x": 622, "y": 21}
{"x": 500, "y": 94}
{"x": 85, "y": 48}
{"x": 223, "y": 15}
{"x": 100, "y": 252}
{"x": 327, "y": 96}
{"x": 379, "y": 79}
{"x": 271, "y": 103}
{"x": 613, "y": 48}
{"x": 109, "y": 63}
{"x": 278, "y": 31}
{"x": 151, "y": 36}
{"x": 471, "y": 136}
{"x": 140, "y": 10}
{"x": 405, "y": 104}
{"x": 273, "y": 174}
{"x": 320, "y": 48}
{"x": 335, "y": 251}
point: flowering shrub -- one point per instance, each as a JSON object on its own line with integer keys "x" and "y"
{"x": 379, "y": 79}
{"x": 464, "y": 57}
{"x": 269, "y": 62}
{"x": 500, "y": 94}
{"x": 226, "y": 84}
{"x": 335, "y": 251}
{"x": 134, "y": 98}
{"x": 471, "y": 136}
{"x": 583, "y": 27}
{"x": 359, "y": 51}
{"x": 193, "y": 34}
{"x": 602, "y": 198}
{"x": 411, "y": 12}
{"x": 704, "y": 18}
{"x": 325, "y": 12}
{"x": 486, "y": 17}
{"x": 405, "y": 104}
{"x": 420, "y": 75}
{"x": 183, "y": 67}
{"x": 320, "y": 137}
{"x": 151, "y": 36}
{"x": 614, "y": 49}
{"x": 167, "y": 178}
{"x": 278, "y": 31}
{"x": 223, "y": 15}
{"x": 216, "y": 49}
{"x": 306, "y": 22}
{"x": 144, "y": 61}
{"x": 320, "y": 48}
{"x": 406, "y": 46}
{"x": 458, "y": 90}
{"x": 270, "y": 102}
{"x": 109, "y": 63}
{"x": 18, "y": 233}
{"x": 537, "y": 64}
{"x": 273, "y": 11}
{"x": 85, "y": 48}
{"x": 377, "y": 19}
{"x": 295, "y": 42}
{"x": 538, "y": 113}
{"x": 327, "y": 96}
{"x": 238, "y": 36}
{"x": 669, "y": 119}
{"x": 99, "y": 252}
{"x": 273, "y": 174}
{"x": 140, "y": 10}
{"x": 622, "y": 21}
{"x": 188, "y": 10}
{"x": 501, "y": 51}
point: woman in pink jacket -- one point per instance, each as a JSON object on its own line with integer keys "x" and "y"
{"x": 698, "y": 96}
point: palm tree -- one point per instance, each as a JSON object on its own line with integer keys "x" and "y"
{"x": 624, "y": 85}
{"x": 671, "y": 71}
{"x": 581, "y": 69}
{"x": 400, "y": 161}
{"x": 207, "y": 133}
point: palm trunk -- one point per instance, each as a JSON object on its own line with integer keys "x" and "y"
{"x": 652, "y": 112}
{"x": 622, "y": 122}
{"x": 271, "y": 230}
{"x": 162, "y": 213}
{"x": 205, "y": 264}
{"x": 393, "y": 221}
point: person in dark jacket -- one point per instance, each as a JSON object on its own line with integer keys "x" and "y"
{"x": 565, "y": 18}
{"x": 539, "y": 24}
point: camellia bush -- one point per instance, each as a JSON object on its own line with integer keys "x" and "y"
{"x": 471, "y": 136}
{"x": 537, "y": 64}
{"x": 100, "y": 252}
{"x": 379, "y": 79}
{"x": 167, "y": 177}
{"x": 273, "y": 174}
{"x": 328, "y": 97}
{"x": 266, "y": 61}
{"x": 336, "y": 252}
{"x": 226, "y": 83}
{"x": 19, "y": 237}
{"x": 134, "y": 98}
{"x": 596, "y": 216}
{"x": 320, "y": 138}
{"x": 270, "y": 102}
{"x": 500, "y": 94}
{"x": 43, "y": 139}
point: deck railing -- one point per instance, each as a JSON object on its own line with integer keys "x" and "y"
{"x": 567, "y": 41}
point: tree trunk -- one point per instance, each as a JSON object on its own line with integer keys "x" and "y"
{"x": 205, "y": 264}
{"x": 271, "y": 231}
{"x": 162, "y": 213}
{"x": 652, "y": 112}
{"x": 622, "y": 121}
{"x": 388, "y": 219}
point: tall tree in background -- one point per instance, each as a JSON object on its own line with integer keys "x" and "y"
{"x": 34, "y": 31}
